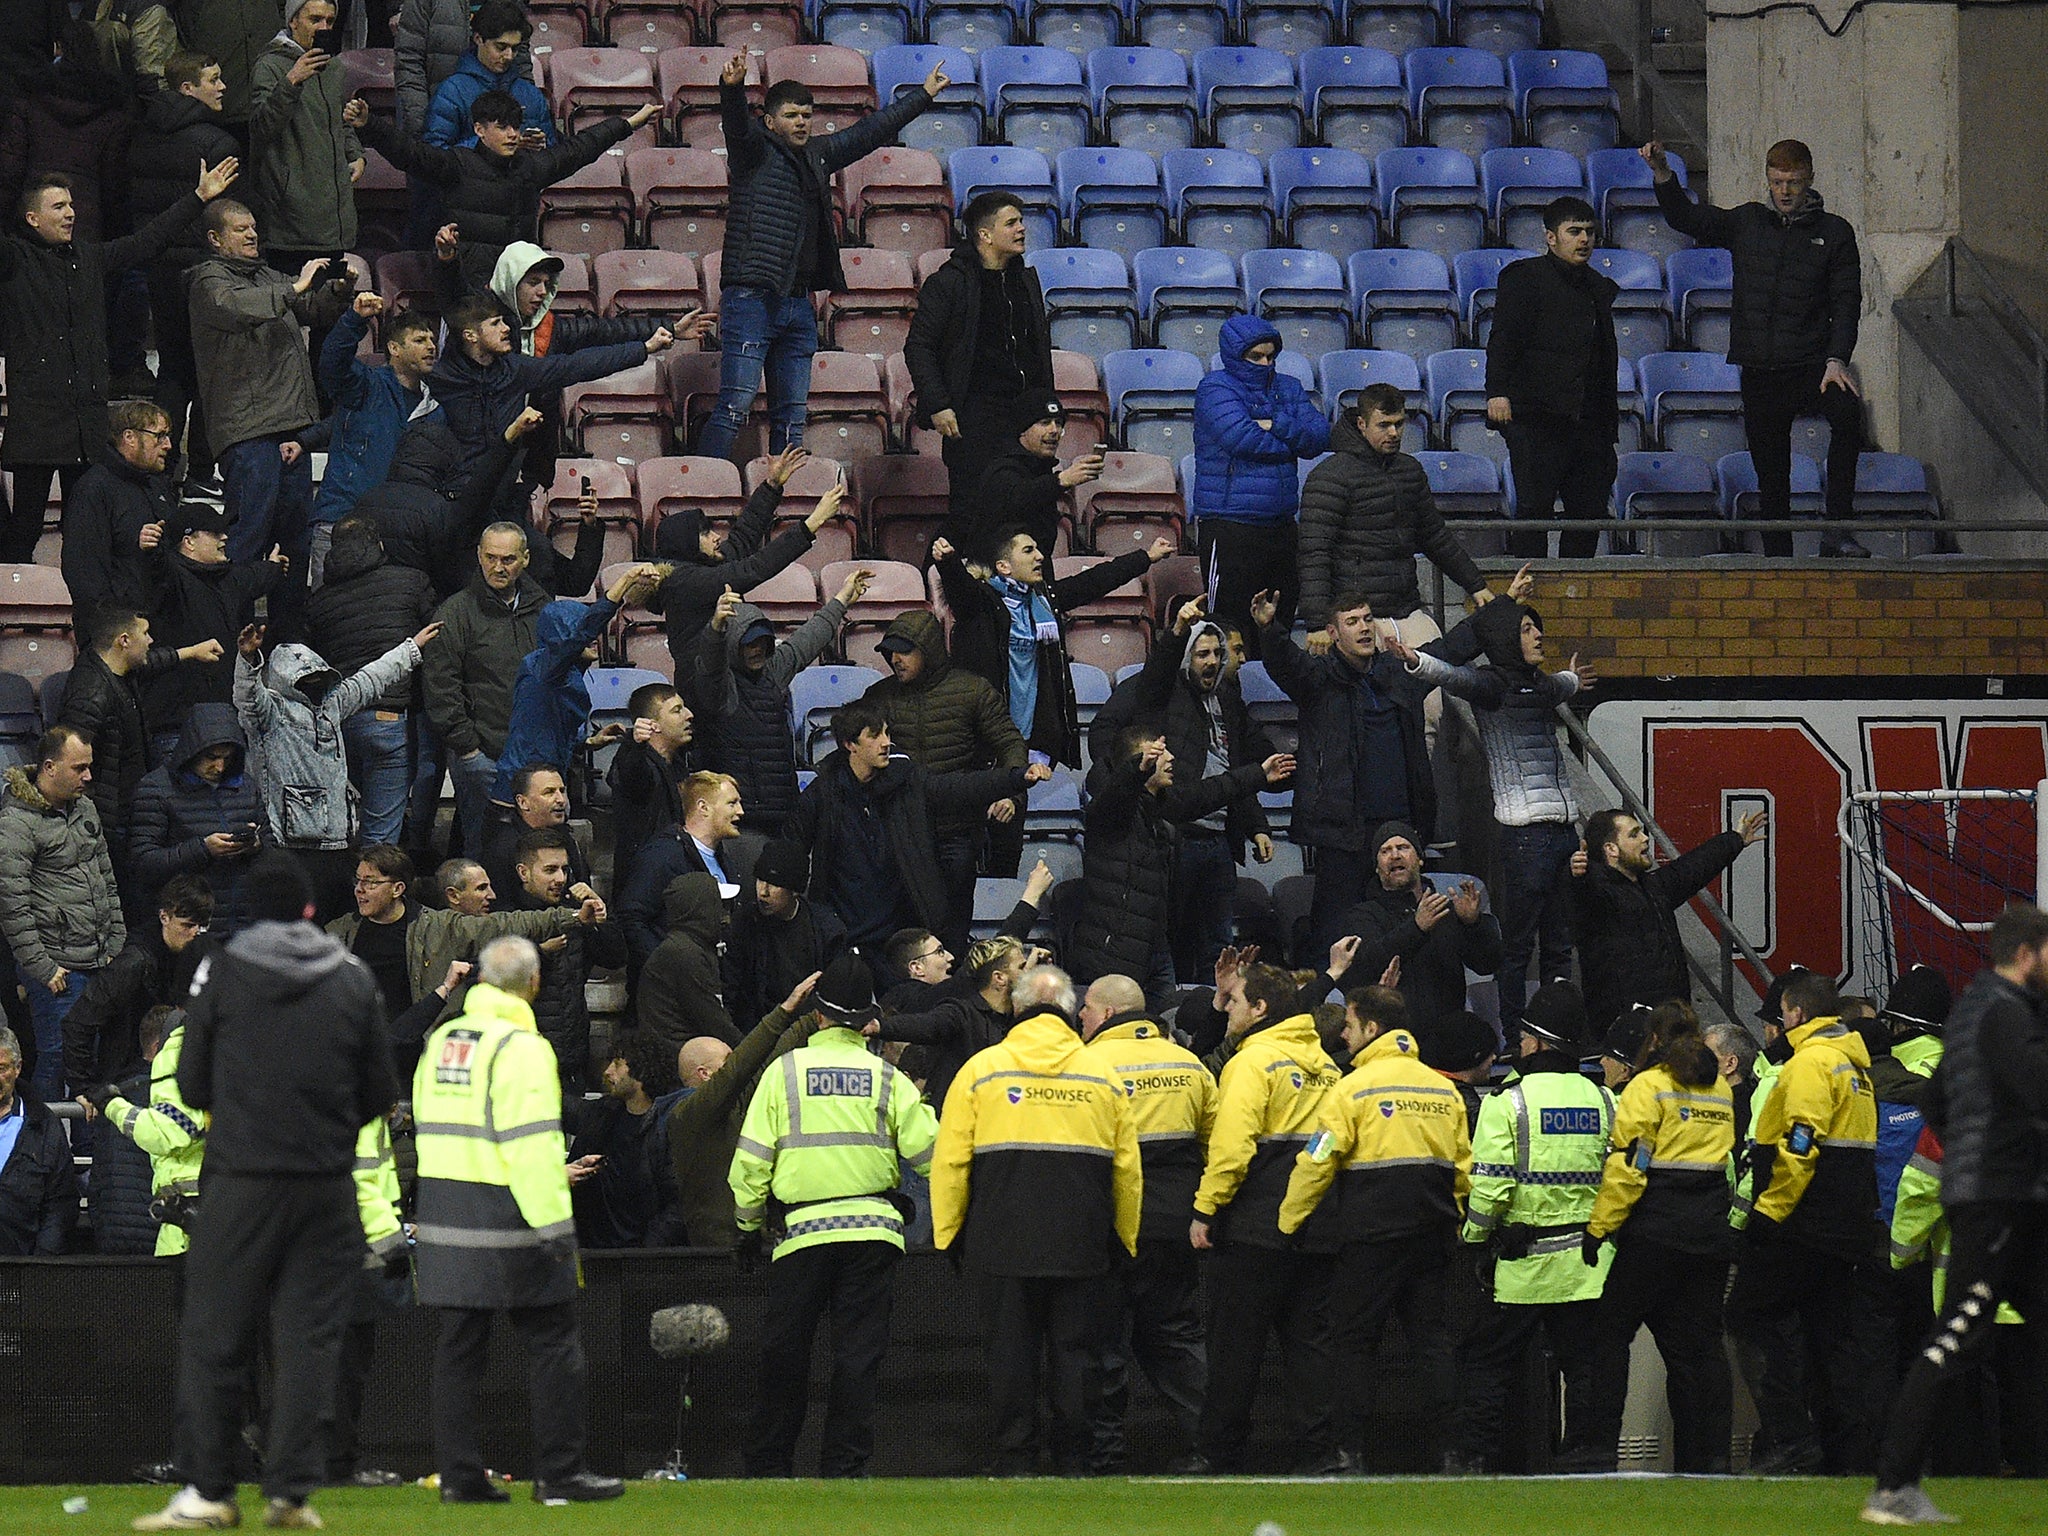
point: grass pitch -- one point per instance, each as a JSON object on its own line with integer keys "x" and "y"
{"x": 1615, "y": 1506}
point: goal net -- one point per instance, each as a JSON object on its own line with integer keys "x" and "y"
{"x": 1936, "y": 867}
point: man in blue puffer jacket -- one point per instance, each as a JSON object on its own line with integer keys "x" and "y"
{"x": 1252, "y": 422}
{"x": 497, "y": 36}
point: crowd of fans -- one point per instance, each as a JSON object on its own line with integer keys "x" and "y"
{"x": 269, "y": 662}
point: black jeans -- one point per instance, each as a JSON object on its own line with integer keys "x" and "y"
{"x": 1998, "y": 1252}
{"x": 1204, "y": 899}
{"x": 1534, "y": 907}
{"x": 555, "y": 1385}
{"x": 1061, "y": 1320}
{"x": 1774, "y": 398}
{"x": 1241, "y": 560}
{"x": 854, "y": 1285}
{"x": 1342, "y": 879}
{"x": 1679, "y": 1296}
{"x": 985, "y": 436}
{"x": 1254, "y": 1292}
{"x": 24, "y": 526}
{"x": 1796, "y": 1306}
{"x": 269, "y": 1255}
{"x": 1159, "y": 1325}
{"x": 959, "y": 853}
{"x": 1558, "y": 460}
{"x": 1499, "y": 1341}
{"x": 1407, "y": 1277}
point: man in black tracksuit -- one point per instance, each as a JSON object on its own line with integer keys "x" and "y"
{"x": 1550, "y": 379}
{"x": 1798, "y": 296}
{"x": 1993, "y": 1125}
{"x": 978, "y": 343}
{"x": 285, "y": 1049}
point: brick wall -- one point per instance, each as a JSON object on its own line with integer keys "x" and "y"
{"x": 1828, "y": 621}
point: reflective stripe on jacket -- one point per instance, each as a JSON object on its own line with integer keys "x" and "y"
{"x": 1270, "y": 1099}
{"x": 1535, "y": 1171}
{"x": 1666, "y": 1180}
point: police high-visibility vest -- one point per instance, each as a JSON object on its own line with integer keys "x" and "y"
{"x": 377, "y": 1190}
{"x": 1535, "y": 1172}
{"x": 1920, "y": 1224}
{"x": 170, "y": 1131}
{"x": 823, "y": 1136}
{"x": 495, "y": 1225}
{"x": 1743, "y": 1174}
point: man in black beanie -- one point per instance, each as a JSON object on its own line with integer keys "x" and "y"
{"x": 1436, "y": 937}
{"x": 1023, "y": 488}
{"x": 779, "y": 935}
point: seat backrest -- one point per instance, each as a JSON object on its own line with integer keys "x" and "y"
{"x": 894, "y": 584}
{"x": 572, "y": 69}
{"x": 1561, "y": 68}
{"x": 695, "y": 70}
{"x": 1347, "y": 372}
{"x": 1290, "y": 269}
{"x": 667, "y": 271}
{"x": 902, "y": 65}
{"x": 1697, "y": 266}
{"x": 1075, "y": 373}
{"x": 1078, "y": 267}
{"x": 1186, "y": 169}
{"x": 1471, "y": 68}
{"x": 820, "y": 66}
{"x": 607, "y": 170}
{"x": 1460, "y": 474}
{"x": 1637, "y": 270}
{"x": 1422, "y": 165}
{"x": 1461, "y": 368}
{"x": 1181, "y": 266}
{"x": 1103, "y": 167}
{"x": 1607, "y": 169}
{"x": 655, "y": 170}
{"x": 1695, "y": 372}
{"x": 1528, "y": 165}
{"x": 1007, "y": 65}
{"x": 1397, "y": 269}
{"x": 1346, "y": 65}
{"x": 668, "y": 485}
{"x": 1288, "y": 169}
{"x": 1150, "y": 369}
{"x": 997, "y": 165}
{"x": 877, "y": 271}
{"x": 1237, "y": 67}
{"x": 1898, "y": 474}
{"x": 1476, "y": 271}
{"x": 891, "y": 166}
{"x": 1666, "y": 474}
{"x": 1108, "y": 68}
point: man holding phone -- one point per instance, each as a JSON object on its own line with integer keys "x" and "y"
{"x": 307, "y": 159}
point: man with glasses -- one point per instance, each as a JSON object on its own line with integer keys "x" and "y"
{"x": 118, "y": 508}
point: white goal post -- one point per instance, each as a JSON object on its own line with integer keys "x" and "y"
{"x": 1869, "y": 850}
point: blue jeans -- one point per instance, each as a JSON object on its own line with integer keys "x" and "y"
{"x": 1534, "y": 897}
{"x": 473, "y": 777}
{"x": 48, "y": 1009}
{"x": 429, "y": 763}
{"x": 1205, "y": 902}
{"x": 269, "y": 501}
{"x": 380, "y": 767}
{"x": 759, "y": 333}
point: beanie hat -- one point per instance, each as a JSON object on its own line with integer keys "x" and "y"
{"x": 784, "y": 864}
{"x": 1556, "y": 1015}
{"x": 1030, "y": 410}
{"x": 1458, "y": 1042}
{"x": 1919, "y": 999}
{"x": 1388, "y": 830}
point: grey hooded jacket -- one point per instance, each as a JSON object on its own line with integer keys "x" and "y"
{"x": 295, "y": 746}
{"x": 58, "y": 904}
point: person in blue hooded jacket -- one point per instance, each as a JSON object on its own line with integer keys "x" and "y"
{"x": 497, "y": 35}
{"x": 550, "y": 700}
{"x": 1252, "y": 422}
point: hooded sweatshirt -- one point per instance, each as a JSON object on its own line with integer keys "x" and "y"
{"x": 285, "y": 1048}
{"x": 176, "y": 811}
{"x": 681, "y": 992}
{"x": 743, "y": 723}
{"x": 514, "y": 262}
{"x": 690, "y": 593}
{"x": 300, "y": 767}
{"x": 550, "y": 700}
{"x": 58, "y": 904}
{"x": 1245, "y": 473}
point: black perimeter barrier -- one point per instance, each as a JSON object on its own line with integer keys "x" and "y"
{"x": 89, "y": 1347}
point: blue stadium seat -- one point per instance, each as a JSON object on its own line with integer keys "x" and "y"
{"x": 1088, "y": 299}
{"x": 1693, "y": 403}
{"x": 1395, "y": 25}
{"x": 1355, "y": 98}
{"x": 814, "y": 693}
{"x": 1249, "y": 98}
{"x": 1429, "y": 199}
{"x": 1456, "y": 381}
{"x": 1641, "y": 323}
{"x": 1022, "y": 171}
{"x": 1516, "y": 183}
{"x": 1629, "y": 431}
{"x": 1458, "y": 98}
{"x": 1699, "y": 288}
{"x": 1895, "y": 485}
{"x": 1036, "y": 98}
{"x": 1185, "y": 294}
{"x": 1324, "y": 199}
{"x": 1652, "y": 485}
{"x": 1111, "y": 199}
{"x": 1463, "y": 484}
{"x": 1292, "y": 27}
{"x": 954, "y": 120}
{"x": 865, "y": 26}
{"x": 1143, "y": 98}
{"x": 1735, "y": 475}
{"x": 971, "y": 25}
{"x": 1499, "y": 27}
{"x": 1185, "y": 26}
{"x": 1152, "y": 398}
{"x": 1625, "y": 196}
{"x": 1078, "y": 26}
{"x": 1294, "y": 366}
{"x": 1342, "y": 375}
{"x": 1218, "y": 197}
{"x": 1405, "y": 301}
{"x": 1477, "y": 274}
{"x": 1563, "y": 100}
{"x": 1303, "y": 294}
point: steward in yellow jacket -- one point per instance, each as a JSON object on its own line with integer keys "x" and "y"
{"x": 1037, "y": 1178}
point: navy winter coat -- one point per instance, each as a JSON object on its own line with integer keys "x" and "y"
{"x": 1245, "y": 473}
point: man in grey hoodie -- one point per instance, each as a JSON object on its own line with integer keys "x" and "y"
{"x": 292, "y": 713}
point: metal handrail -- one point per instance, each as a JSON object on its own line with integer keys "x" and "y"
{"x": 1957, "y": 260}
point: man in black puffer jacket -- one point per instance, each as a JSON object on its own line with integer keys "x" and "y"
{"x": 197, "y": 813}
{"x": 194, "y": 595}
{"x": 542, "y": 860}
{"x": 114, "y": 502}
{"x": 781, "y": 244}
{"x": 1129, "y": 852}
{"x": 359, "y": 612}
{"x": 1798, "y": 297}
{"x": 739, "y": 690}
{"x": 1437, "y": 935}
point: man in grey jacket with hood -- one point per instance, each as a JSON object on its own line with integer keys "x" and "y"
{"x": 292, "y": 713}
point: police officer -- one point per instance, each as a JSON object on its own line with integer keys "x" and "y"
{"x": 1036, "y": 1175}
{"x": 496, "y": 1232}
{"x": 819, "y": 1158}
{"x": 1535, "y": 1169}
{"x": 1262, "y": 1277}
{"x": 1813, "y": 1223}
{"x": 1173, "y": 1098}
{"x": 1663, "y": 1202}
{"x": 1396, "y": 1132}
{"x": 169, "y": 1130}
